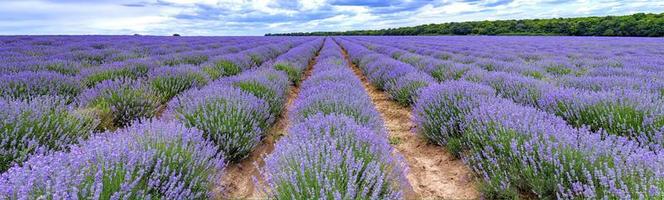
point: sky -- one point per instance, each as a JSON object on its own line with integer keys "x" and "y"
{"x": 257, "y": 17}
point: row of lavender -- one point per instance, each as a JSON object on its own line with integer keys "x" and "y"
{"x": 515, "y": 148}
{"x": 548, "y": 56}
{"x": 594, "y": 64}
{"x": 44, "y": 111}
{"x": 71, "y": 54}
{"x": 636, "y": 113}
{"x": 336, "y": 147}
{"x": 180, "y": 156}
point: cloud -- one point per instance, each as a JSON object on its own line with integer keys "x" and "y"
{"x": 256, "y": 17}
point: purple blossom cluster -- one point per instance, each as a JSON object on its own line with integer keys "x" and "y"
{"x": 39, "y": 126}
{"x": 27, "y": 85}
{"x": 134, "y": 69}
{"x": 265, "y": 83}
{"x": 168, "y": 82}
{"x": 162, "y": 160}
{"x": 336, "y": 147}
{"x": 234, "y": 119}
{"x": 119, "y": 102}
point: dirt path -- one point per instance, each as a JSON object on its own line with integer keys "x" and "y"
{"x": 434, "y": 173}
{"x": 238, "y": 180}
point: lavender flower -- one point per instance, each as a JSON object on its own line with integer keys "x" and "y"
{"x": 331, "y": 156}
{"x": 119, "y": 102}
{"x": 152, "y": 160}
{"x": 265, "y": 83}
{"x": 42, "y": 125}
{"x": 27, "y": 85}
{"x": 441, "y": 108}
{"x": 170, "y": 81}
{"x": 406, "y": 88}
{"x": 233, "y": 119}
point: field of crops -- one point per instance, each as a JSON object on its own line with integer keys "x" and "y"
{"x": 466, "y": 117}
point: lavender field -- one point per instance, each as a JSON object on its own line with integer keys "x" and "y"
{"x": 343, "y": 117}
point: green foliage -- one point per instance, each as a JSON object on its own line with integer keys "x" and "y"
{"x": 444, "y": 73}
{"x": 118, "y": 108}
{"x": 294, "y": 75}
{"x": 558, "y": 70}
{"x": 167, "y": 87}
{"x": 233, "y": 130}
{"x": 407, "y": 94}
{"x": 222, "y": 68}
{"x": 62, "y": 68}
{"x": 639, "y": 24}
{"x": 187, "y": 59}
{"x": 614, "y": 119}
{"x": 262, "y": 92}
{"x": 133, "y": 72}
{"x": 53, "y": 128}
{"x": 534, "y": 74}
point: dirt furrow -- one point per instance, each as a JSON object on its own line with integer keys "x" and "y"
{"x": 238, "y": 180}
{"x": 434, "y": 173}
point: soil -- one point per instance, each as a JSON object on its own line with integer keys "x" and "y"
{"x": 238, "y": 180}
{"x": 433, "y": 173}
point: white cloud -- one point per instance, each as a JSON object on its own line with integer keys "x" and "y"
{"x": 256, "y": 17}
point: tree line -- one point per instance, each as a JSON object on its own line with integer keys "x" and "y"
{"x": 640, "y": 24}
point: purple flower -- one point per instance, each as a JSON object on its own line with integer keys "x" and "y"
{"x": 142, "y": 161}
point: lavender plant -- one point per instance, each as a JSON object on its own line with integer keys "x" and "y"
{"x": 117, "y": 103}
{"x": 339, "y": 98}
{"x": 170, "y": 81}
{"x": 162, "y": 160}
{"x": 441, "y": 108}
{"x": 332, "y": 157}
{"x": 233, "y": 119}
{"x": 41, "y": 125}
{"x": 27, "y": 85}
{"x": 406, "y": 88}
{"x": 520, "y": 150}
{"x": 267, "y": 84}
{"x": 92, "y": 77}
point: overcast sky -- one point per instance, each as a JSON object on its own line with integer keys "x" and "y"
{"x": 257, "y": 17}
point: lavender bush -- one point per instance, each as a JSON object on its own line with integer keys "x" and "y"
{"x": 332, "y": 157}
{"x": 233, "y": 119}
{"x": 267, "y": 84}
{"x": 405, "y": 89}
{"x": 119, "y": 102}
{"x": 621, "y": 112}
{"x": 27, "y": 85}
{"x": 170, "y": 81}
{"x": 152, "y": 160}
{"x": 339, "y": 98}
{"x": 295, "y": 61}
{"x": 441, "y": 108}
{"x": 93, "y": 76}
{"x": 42, "y": 125}
{"x": 521, "y": 150}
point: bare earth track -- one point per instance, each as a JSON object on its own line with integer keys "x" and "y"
{"x": 238, "y": 182}
{"x": 434, "y": 173}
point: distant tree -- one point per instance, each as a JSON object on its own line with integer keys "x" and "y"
{"x": 639, "y": 24}
{"x": 176, "y": 35}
